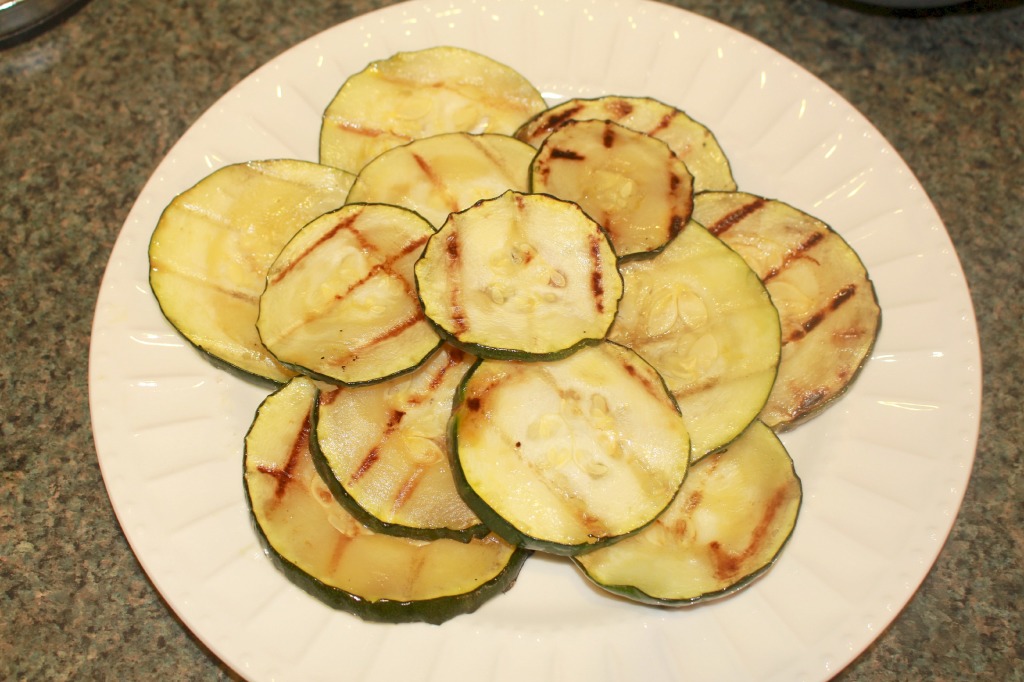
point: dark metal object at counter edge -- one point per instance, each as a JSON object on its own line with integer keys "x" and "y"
{"x": 22, "y": 20}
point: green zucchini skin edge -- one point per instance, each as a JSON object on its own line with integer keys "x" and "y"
{"x": 217, "y": 362}
{"x": 637, "y": 595}
{"x": 510, "y": 533}
{"x": 491, "y": 353}
{"x": 835, "y": 397}
{"x": 298, "y": 369}
{"x": 433, "y": 611}
{"x": 365, "y": 517}
{"x": 494, "y": 521}
{"x": 223, "y": 365}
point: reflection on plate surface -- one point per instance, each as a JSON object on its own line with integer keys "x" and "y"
{"x": 884, "y": 469}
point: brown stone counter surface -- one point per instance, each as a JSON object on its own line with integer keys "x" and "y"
{"x": 89, "y": 108}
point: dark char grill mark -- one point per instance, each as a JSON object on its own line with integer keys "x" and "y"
{"x": 736, "y": 216}
{"x": 841, "y": 297}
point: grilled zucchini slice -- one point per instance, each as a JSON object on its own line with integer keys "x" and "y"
{"x": 701, "y": 316}
{"x": 520, "y": 276}
{"x": 629, "y": 182}
{"x": 213, "y": 245}
{"x": 383, "y": 451}
{"x": 418, "y": 94}
{"x": 340, "y": 304}
{"x": 691, "y": 141}
{"x": 328, "y": 553}
{"x": 567, "y": 455}
{"x": 734, "y": 514}
{"x": 827, "y": 304}
{"x": 438, "y": 175}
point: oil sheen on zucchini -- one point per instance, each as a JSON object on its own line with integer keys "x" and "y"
{"x": 631, "y": 183}
{"x": 438, "y": 175}
{"x": 340, "y": 304}
{"x": 383, "y": 451}
{"x": 566, "y": 455}
{"x": 691, "y": 141}
{"x": 328, "y": 553}
{"x": 214, "y": 243}
{"x": 830, "y": 315}
{"x": 735, "y": 512}
{"x": 418, "y": 94}
{"x": 700, "y": 315}
{"x": 520, "y": 276}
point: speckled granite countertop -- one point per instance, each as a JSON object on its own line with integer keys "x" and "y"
{"x": 87, "y": 111}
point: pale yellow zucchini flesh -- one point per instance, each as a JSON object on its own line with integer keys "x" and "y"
{"x": 701, "y": 316}
{"x": 439, "y": 175}
{"x": 499, "y": 327}
{"x": 731, "y": 519}
{"x": 632, "y": 184}
{"x": 565, "y": 455}
{"x": 211, "y": 250}
{"x": 691, "y": 141}
{"x": 320, "y": 547}
{"x": 521, "y": 275}
{"x": 340, "y": 304}
{"x": 827, "y": 305}
{"x": 384, "y": 450}
{"x": 422, "y": 93}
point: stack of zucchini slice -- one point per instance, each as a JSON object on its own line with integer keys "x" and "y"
{"x": 499, "y": 327}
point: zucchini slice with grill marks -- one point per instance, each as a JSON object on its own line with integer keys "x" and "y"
{"x": 328, "y": 553}
{"x": 639, "y": 191}
{"x": 567, "y": 455}
{"x": 418, "y": 94}
{"x": 691, "y": 141}
{"x": 214, "y": 243}
{"x": 700, "y": 315}
{"x": 340, "y": 304}
{"x": 438, "y": 175}
{"x": 383, "y": 451}
{"x": 731, "y": 519}
{"x": 520, "y": 276}
{"x": 827, "y": 304}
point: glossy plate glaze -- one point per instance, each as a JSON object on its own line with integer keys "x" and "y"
{"x": 884, "y": 470}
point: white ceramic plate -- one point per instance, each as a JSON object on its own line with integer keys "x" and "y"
{"x": 884, "y": 470}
